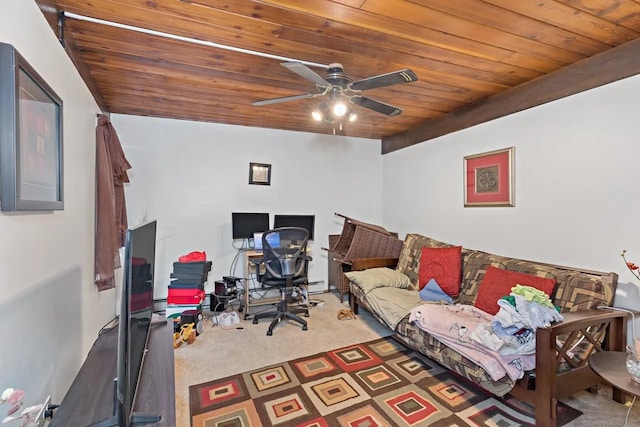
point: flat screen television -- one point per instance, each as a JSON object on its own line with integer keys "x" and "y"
{"x": 244, "y": 224}
{"x": 303, "y": 221}
{"x": 134, "y": 322}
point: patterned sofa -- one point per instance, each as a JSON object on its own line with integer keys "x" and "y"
{"x": 562, "y": 350}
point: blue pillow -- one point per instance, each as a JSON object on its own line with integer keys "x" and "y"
{"x": 433, "y": 292}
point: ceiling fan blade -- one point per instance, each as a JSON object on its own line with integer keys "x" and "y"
{"x": 284, "y": 99}
{"x": 393, "y": 78}
{"x": 377, "y": 106}
{"x": 302, "y": 70}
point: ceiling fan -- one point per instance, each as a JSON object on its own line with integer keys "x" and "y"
{"x": 337, "y": 85}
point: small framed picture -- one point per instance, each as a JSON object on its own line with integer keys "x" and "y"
{"x": 489, "y": 179}
{"x": 259, "y": 173}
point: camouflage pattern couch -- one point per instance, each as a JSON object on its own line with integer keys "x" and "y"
{"x": 562, "y": 350}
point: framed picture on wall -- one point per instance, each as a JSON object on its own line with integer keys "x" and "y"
{"x": 259, "y": 173}
{"x": 489, "y": 178}
{"x": 31, "y": 175}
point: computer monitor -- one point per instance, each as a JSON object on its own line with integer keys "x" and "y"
{"x": 272, "y": 238}
{"x": 244, "y": 224}
{"x": 303, "y": 221}
{"x": 257, "y": 241}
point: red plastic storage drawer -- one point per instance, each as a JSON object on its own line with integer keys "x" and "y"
{"x": 192, "y": 296}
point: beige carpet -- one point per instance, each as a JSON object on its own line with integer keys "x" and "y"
{"x": 219, "y": 352}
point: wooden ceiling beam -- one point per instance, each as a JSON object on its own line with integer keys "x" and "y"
{"x": 612, "y": 65}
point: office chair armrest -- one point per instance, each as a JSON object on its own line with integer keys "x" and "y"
{"x": 257, "y": 261}
{"x": 309, "y": 258}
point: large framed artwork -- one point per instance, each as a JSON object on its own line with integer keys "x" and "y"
{"x": 31, "y": 163}
{"x": 489, "y": 178}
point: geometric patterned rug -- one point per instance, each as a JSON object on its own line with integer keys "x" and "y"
{"x": 378, "y": 383}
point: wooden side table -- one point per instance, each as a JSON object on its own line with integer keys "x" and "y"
{"x": 610, "y": 365}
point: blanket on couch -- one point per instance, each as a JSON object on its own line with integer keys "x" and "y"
{"x": 453, "y": 326}
{"x": 392, "y": 304}
{"x": 387, "y": 293}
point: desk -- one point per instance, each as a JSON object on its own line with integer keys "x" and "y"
{"x": 610, "y": 365}
{"x": 90, "y": 398}
{"x": 251, "y": 273}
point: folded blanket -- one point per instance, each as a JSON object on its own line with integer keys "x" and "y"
{"x": 525, "y": 314}
{"x": 532, "y": 294}
{"x": 508, "y": 316}
{"x": 521, "y": 343}
{"x": 537, "y": 315}
{"x": 453, "y": 324}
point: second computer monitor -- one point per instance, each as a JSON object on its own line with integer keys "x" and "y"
{"x": 302, "y": 221}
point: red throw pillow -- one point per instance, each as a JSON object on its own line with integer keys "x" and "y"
{"x": 443, "y": 265}
{"x": 498, "y": 283}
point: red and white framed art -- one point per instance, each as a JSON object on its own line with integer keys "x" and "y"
{"x": 489, "y": 178}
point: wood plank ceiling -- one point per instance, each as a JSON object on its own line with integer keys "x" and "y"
{"x": 475, "y": 59}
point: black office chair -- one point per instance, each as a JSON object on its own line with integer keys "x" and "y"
{"x": 286, "y": 266}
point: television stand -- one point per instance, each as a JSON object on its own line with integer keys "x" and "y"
{"x": 89, "y": 400}
{"x": 157, "y": 321}
{"x": 136, "y": 418}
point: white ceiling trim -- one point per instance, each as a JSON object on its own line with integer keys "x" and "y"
{"x": 188, "y": 39}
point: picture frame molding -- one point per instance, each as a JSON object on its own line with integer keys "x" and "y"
{"x": 503, "y": 161}
{"x": 31, "y": 143}
{"x": 259, "y": 173}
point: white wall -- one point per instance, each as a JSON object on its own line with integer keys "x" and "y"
{"x": 577, "y": 185}
{"x": 51, "y": 312}
{"x": 191, "y": 176}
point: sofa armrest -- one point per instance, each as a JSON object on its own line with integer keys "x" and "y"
{"x": 554, "y": 348}
{"x": 365, "y": 263}
{"x": 584, "y": 318}
{"x": 592, "y": 325}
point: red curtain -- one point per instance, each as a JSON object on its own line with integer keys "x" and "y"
{"x": 111, "y": 212}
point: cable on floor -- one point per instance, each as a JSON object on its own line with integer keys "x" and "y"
{"x": 626, "y": 420}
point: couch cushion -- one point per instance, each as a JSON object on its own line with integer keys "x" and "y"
{"x": 576, "y": 289}
{"x": 442, "y": 264}
{"x": 498, "y": 283}
{"x": 409, "y": 260}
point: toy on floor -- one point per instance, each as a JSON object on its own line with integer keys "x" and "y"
{"x": 187, "y": 334}
{"x": 345, "y": 314}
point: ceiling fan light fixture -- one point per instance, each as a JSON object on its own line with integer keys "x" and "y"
{"x": 327, "y": 114}
{"x": 322, "y": 113}
{"x": 339, "y": 88}
{"x": 339, "y": 109}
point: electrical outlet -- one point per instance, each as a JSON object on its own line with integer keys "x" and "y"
{"x": 39, "y": 420}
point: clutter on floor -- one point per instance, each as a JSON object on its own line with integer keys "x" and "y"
{"x": 226, "y": 319}
{"x": 187, "y": 333}
{"x": 345, "y": 314}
